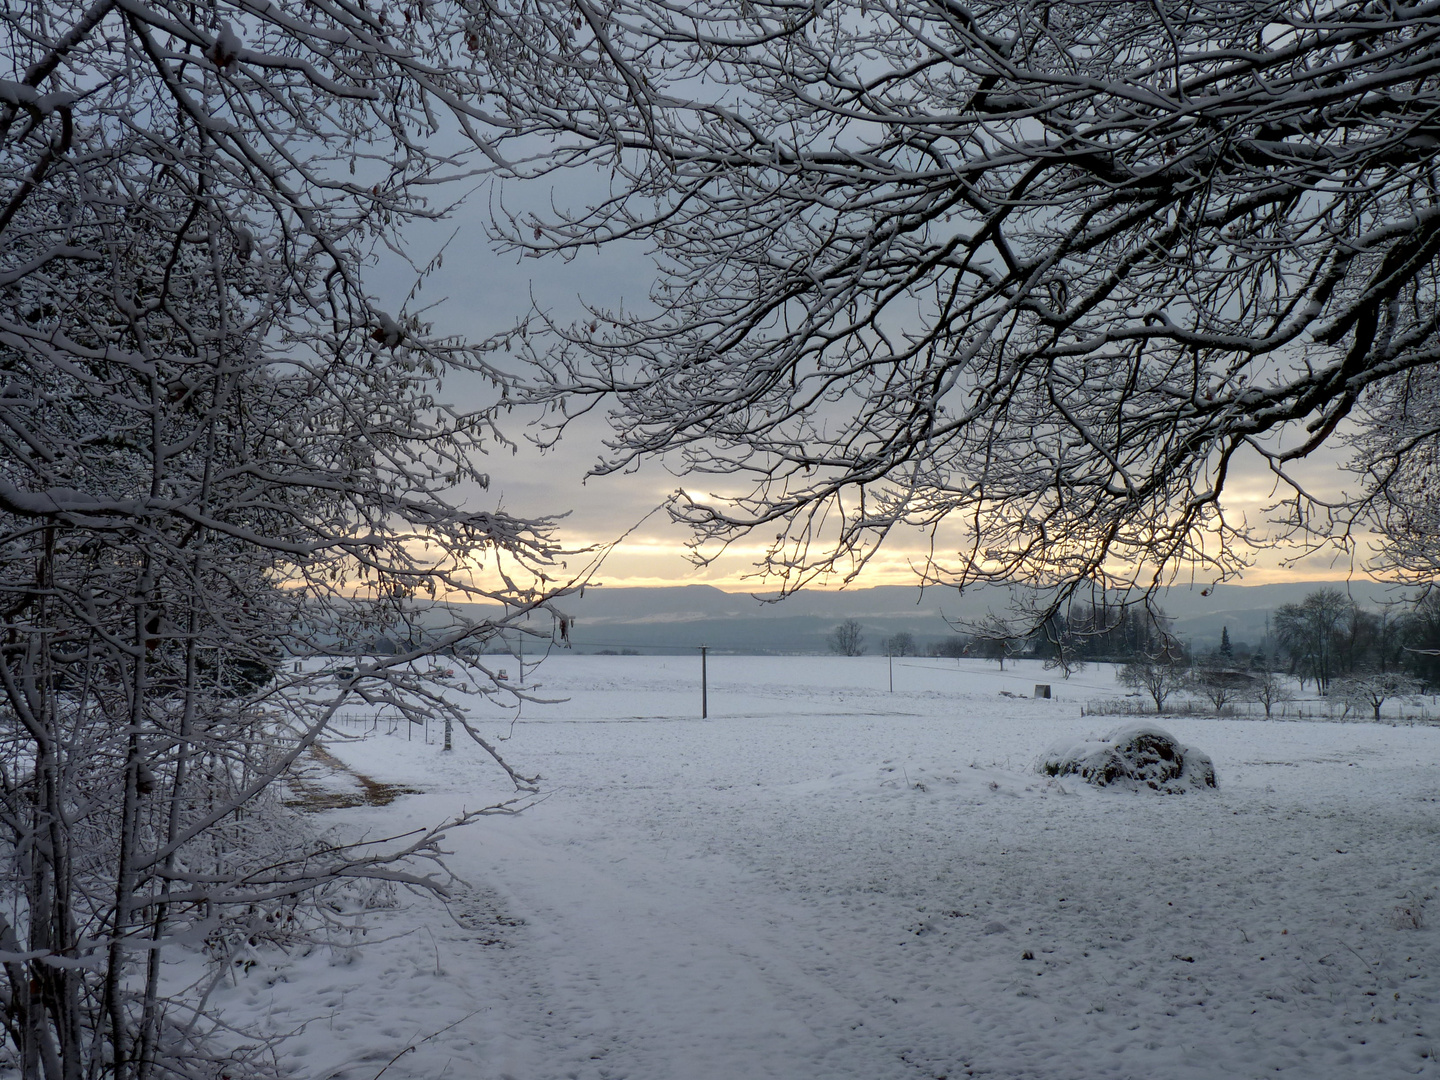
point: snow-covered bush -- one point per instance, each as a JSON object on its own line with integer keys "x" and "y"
{"x": 1133, "y": 757}
{"x": 217, "y": 450}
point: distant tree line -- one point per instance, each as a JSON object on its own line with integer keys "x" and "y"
{"x": 1069, "y": 640}
{"x": 848, "y": 639}
{"x": 1327, "y": 639}
{"x": 1358, "y": 657}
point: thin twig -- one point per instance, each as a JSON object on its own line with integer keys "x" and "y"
{"x": 422, "y": 1042}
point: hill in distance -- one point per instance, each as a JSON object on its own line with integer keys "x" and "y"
{"x": 666, "y": 620}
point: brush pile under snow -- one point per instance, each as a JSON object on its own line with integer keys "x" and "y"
{"x": 1134, "y": 757}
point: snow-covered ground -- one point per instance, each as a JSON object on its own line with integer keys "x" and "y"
{"x": 829, "y": 880}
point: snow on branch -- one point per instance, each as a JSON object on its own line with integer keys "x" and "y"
{"x": 222, "y": 459}
{"x": 1039, "y": 277}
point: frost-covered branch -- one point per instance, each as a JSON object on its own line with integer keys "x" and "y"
{"x": 1041, "y": 274}
{"x": 220, "y": 454}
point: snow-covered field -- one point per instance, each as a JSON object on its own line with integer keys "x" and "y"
{"x": 829, "y": 880}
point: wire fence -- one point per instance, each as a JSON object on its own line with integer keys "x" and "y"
{"x": 361, "y": 725}
{"x": 1405, "y": 712}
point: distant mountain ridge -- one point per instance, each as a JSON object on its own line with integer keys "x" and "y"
{"x": 679, "y": 617}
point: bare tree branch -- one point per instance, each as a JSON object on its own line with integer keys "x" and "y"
{"x": 1042, "y": 274}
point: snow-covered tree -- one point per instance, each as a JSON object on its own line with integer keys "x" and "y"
{"x": 1046, "y": 274}
{"x": 1399, "y": 461}
{"x": 1371, "y": 689}
{"x": 217, "y": 451}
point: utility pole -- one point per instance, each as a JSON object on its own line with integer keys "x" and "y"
{"x": 891, "y": 658}
{"x": 704, "y": 684}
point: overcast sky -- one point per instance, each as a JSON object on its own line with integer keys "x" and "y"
{"x": 485, "y": 292}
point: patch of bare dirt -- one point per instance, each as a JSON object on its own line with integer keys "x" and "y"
{"x": 313, "y": 785}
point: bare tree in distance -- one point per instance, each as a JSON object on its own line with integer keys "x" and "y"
{"x": 1269, "y": 689}
{"x": 993, "y": 646}
{"x": 1062, "y": 637}
{"x": 1422, "y": 648}
{"x": 218, "y": 451}
{"x": 1221, "y": 686}
{"x": 1064, "y": 658}
{"x": 1045, "y": 275}
{"x": 901, "y": 644}
{"x": 1311, "y": 632}
{"x": 954, "y": 647}
{"x": 847, "y": 639}
{"x": 1371, "y": 689}
{"x": 1158, "y": 676}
